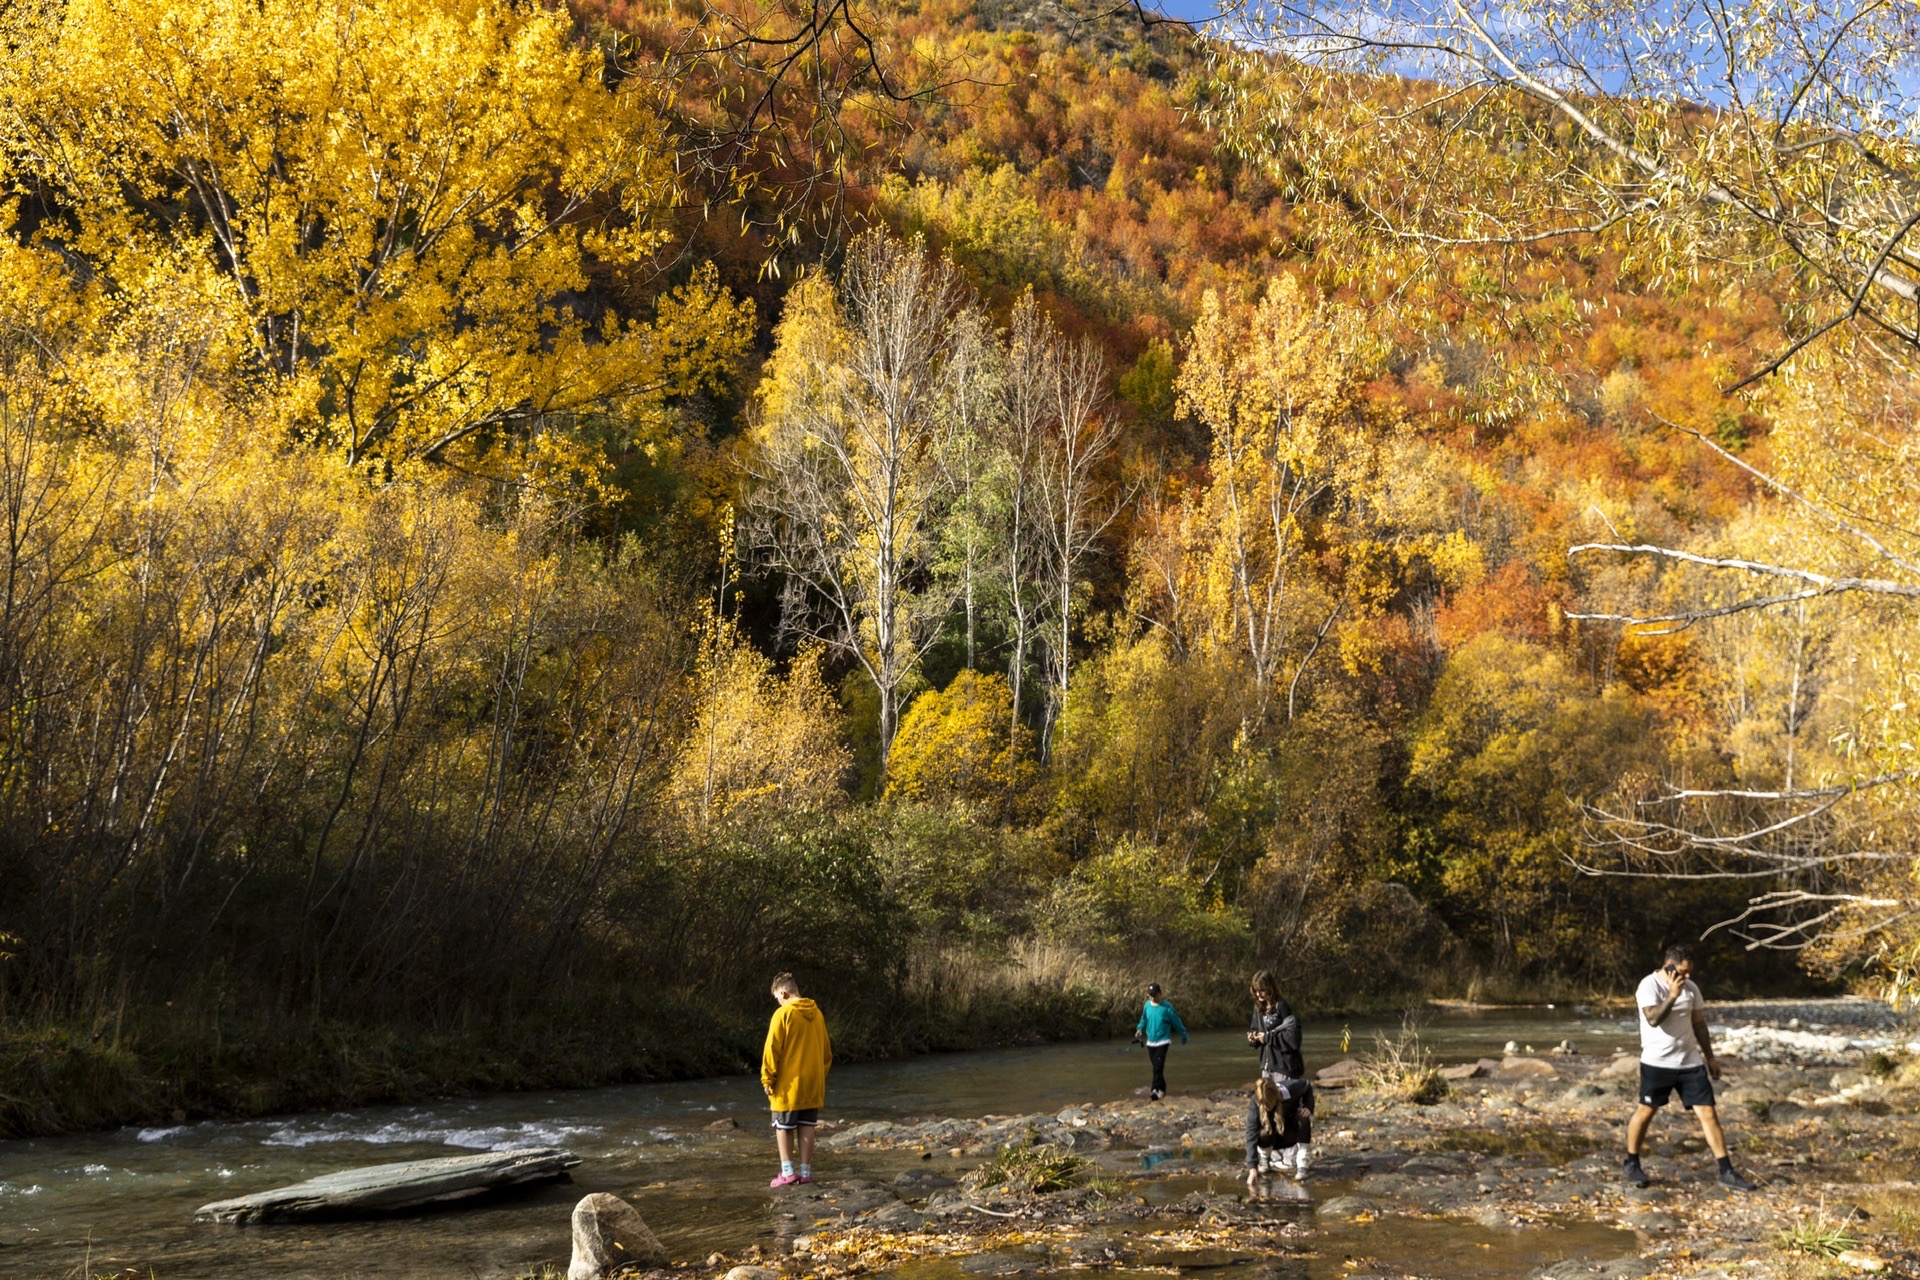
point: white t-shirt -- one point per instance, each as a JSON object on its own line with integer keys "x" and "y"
{"x": 1671, "y": 1043}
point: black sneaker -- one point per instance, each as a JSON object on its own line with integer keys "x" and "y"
{"x": 1731, "y": 1178}
{"x": 1635, "y": 1174}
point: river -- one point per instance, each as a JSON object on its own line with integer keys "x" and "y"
{"x": 102, "y": 1204}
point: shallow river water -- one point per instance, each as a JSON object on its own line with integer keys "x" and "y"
{"x": 102, "y": 1204}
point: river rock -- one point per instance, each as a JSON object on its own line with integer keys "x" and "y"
{"x": 1196, "y": 1259}
{"x": 915, "y": 1183}
{"x": 863, "y": 1132}
{"x": 609, "y": 1236}
{"x": 895, "y": 1217}
{"x": 1585, "y": 1269}
{"x": 1465, "y": 1071}
{"x": 1389, "y": 1184}
{"x": 998, "y": 1264}
{"x": 1345, "y": 1208}
{"x": 384, "y": 1188}
{"x": 751, "y": 1273}
{"x": 1345, "y": 1071}
{"x": 1522, "y": 1068}
{"x": 1624, "y": 1065}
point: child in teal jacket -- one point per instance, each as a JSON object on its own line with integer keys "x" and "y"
{"x": 1159, "y": 1024}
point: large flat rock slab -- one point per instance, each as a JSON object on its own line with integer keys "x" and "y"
{"x": 384, "y": 1188}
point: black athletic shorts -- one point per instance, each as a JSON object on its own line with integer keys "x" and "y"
{"x": 1693, "y": 1083}
{"x": 806, "y": 1119}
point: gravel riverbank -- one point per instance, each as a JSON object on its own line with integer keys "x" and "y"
{"x": 1514, "y": 1172}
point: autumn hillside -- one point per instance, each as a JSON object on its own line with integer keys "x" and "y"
{"x": 507, "y": 544}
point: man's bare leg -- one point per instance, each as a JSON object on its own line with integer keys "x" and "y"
{"x": 1637, "y": 1127}
{"x": 1710, "y": 1125}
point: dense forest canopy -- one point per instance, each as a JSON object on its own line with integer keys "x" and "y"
{"x": 520, "y": 522}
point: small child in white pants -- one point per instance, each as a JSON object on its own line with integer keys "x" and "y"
{"x": 1279, "y": 1127}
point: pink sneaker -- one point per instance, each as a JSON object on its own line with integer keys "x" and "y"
{"x": 805, "y": 1178}
{"x": 787, "y": 1180}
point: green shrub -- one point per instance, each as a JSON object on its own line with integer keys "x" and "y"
{"x": 1137, "y": 898}
{"x": 1820, "y": 1237}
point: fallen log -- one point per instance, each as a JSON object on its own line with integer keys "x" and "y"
{"x": 384, "y": 1188}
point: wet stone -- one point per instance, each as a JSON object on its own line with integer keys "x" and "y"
{"x": 1389, "y": 1184}
{"x": 917, "y": 1183}
{"x": 1196, "y": 1259}
{"x": 999, "y": 1264}
{"x": 1584, "y": 1269}
{"x": 894, "y": 1217}
{"x": 1344, "y": 1208}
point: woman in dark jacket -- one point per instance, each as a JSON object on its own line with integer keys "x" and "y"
{"x": 1274, "y": 1031}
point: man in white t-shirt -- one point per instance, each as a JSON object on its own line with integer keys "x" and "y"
{"x": 1676, "y": 1055}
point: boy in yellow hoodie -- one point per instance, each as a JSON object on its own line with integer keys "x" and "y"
{"x": 793, "y": 1071}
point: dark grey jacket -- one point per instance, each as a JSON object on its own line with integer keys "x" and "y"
{"x": 1280, "y": 1052}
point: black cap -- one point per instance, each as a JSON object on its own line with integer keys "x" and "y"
{"x": 1153, "y": 988}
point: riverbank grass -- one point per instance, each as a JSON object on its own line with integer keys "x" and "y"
{"x": 1031, "y": 1168}
{"x": 1402, "y": 1069}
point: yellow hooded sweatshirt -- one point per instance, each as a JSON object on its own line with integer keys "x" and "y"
{"x": 793, "y": 1067}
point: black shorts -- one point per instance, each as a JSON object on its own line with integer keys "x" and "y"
{"x": 806, "y": 1119}
{"x": 1694, "y": 1084}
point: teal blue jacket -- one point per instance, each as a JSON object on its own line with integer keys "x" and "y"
{"x": 1159, "y": 1024}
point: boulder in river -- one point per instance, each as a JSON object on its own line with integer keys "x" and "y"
{"x": 1521, "y": 1068}
{"x": 610, "y": 1236}
{"x": 385, "y": 1188}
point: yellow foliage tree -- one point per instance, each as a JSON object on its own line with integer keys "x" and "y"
{"x": 953, "y": 746}
{"x": 760, "y": 742}
{"x": 396, "y": 206}
{"x": 1282, "y": 389}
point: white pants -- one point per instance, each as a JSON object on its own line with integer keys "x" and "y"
{"x": 1294, "y": 1159}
